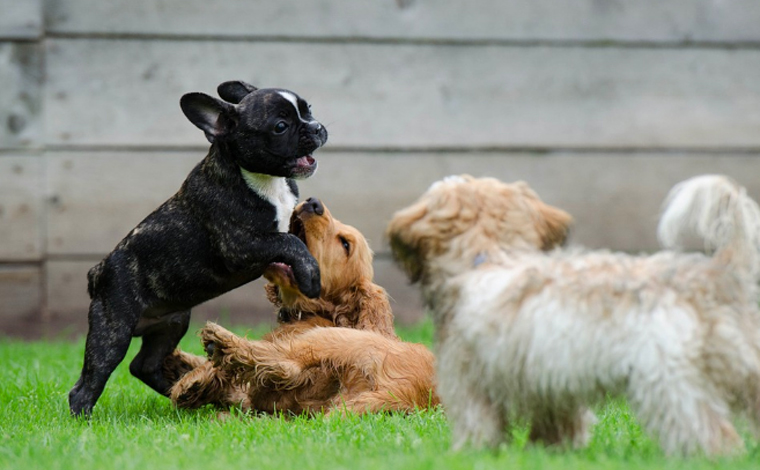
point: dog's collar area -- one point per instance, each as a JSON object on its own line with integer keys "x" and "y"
{"x": 480, "y": 258}
{"x": 286, "y": 315}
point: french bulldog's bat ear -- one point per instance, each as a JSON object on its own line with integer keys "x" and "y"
{"x": 234, "y": 91}
{"x": 211, "y": 115}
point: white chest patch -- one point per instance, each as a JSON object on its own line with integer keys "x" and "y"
{"x": 276, "y": 191}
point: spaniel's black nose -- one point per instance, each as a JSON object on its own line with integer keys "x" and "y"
{"x": 314, "y": 205}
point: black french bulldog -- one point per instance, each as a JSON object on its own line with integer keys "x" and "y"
{"x": 224, "y": 226}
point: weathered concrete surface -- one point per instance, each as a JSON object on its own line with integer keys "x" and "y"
{"x": 421, "y": 96}
{"x": 520, "y": 20}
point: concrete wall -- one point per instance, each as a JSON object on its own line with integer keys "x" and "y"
{"x": 601, "y": 105}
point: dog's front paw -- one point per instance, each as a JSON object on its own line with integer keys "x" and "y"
{"x": 308, "y": 279}
{"x": 215, "y": 340}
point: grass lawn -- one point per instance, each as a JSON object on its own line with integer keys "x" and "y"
{"x": 134, "y": 428}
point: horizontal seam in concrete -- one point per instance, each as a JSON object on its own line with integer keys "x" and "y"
{"x": 21, "y": 151}
{"x": 432, "y": 149}
{"x": 7, "y": 263}
{"x": 92, "y": 257}
{"x": 21, "y": 39}
{"x": 555, "y": 43}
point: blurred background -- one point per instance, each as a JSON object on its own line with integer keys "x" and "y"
{"x": 601, "y": 105}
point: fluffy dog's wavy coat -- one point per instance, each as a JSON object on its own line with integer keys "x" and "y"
{"x": 526, "y": 333}
{"x": 305, "y": 365}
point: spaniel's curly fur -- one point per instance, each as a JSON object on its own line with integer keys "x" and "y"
{"x": 523, "y": 332}
{"x": 339, "y": 351}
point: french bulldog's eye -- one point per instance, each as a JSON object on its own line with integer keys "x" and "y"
{"x": 280, "y": 127}
{"x": 346, "y": 245}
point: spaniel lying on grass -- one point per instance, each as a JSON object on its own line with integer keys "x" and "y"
{"x": 335, "y": 352}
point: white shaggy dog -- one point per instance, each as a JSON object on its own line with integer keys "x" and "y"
{"x": 524, "y": 332}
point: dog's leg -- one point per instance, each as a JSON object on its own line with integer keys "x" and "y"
{"x": 259, "y": 362}
{"x": 372, "y": 402}
{"x": 179, "y": 363}
{"x": 341, "y": 348}
{"x": 282, "y": 363}
{"x": 158, "y": 342}
{"x": 476, "y": 421}
{"x": 558, "y": 427}
{"x": 206, "y": 385}
{"x": 107, "y": 342}
{"x": 687, "y": 417}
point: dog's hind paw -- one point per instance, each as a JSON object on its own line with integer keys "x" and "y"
{"x": 201, "y": 386}
{"x": 179, "y": 363}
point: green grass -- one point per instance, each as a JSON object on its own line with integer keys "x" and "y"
{"x": 134, "y": 428}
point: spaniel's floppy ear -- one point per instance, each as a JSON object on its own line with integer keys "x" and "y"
{"x": 375, "y": 313}
{"x": 273, "y": 294}
{"x": 366, "y": 308}
{"x": 553, "y": 227}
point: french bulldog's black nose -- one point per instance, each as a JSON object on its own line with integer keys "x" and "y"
{"x": 314, "y": 205}
{"x": 316, "y": 128}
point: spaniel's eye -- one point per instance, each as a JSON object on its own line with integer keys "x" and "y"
{"x": 280, "y": 127}
{"x": 346, "y": 245}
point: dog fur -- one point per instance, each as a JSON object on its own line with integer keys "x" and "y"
{"x": 349, "y": 296}
{"x": 336, "y": 352}
{"x": 219, "y": 231}
{"x": 527, "y": 332}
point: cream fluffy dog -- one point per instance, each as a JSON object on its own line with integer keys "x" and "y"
{"x": 527, "y": 332}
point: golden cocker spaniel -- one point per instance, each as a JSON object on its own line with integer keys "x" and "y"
{"x": 336, "y": 352}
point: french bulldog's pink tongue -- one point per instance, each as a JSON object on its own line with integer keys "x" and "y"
{"x": 308, "y": 160}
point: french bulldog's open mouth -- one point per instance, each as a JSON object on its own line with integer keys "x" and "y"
{"x": 307, "y": 161}
{"x": 305, "y": 166}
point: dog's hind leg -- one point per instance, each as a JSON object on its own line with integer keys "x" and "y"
{"x": 258, "y": 362}
{"x": 158, "y": 342}
{"x": 107, "y": 342}
{"x": 374, "y": 401}
{"x": 203, "y": 385}
{"x": 687, "y": 417}
{"x": 476, "y": 421}
{"x": 179, "y": 363}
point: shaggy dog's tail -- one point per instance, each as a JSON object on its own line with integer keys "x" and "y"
{"x": 715, "y": 212}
